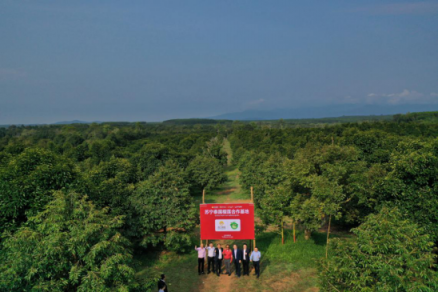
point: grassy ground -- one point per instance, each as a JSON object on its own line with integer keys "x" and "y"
{"x": 230, "y": 191}
{"x": 227, "y": 148}
{"x": 288, "y": 267}
{"x": 179, "y": 268}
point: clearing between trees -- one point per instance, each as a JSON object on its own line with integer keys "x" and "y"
{"x": 284, "y": 267}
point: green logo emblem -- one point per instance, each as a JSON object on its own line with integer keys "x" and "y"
{"x": 234, "y": 225}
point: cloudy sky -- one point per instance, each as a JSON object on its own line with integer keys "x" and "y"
{"x": 155, "y": 60}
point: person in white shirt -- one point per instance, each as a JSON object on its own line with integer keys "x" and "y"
{"x": 211, "y": 256}
{"x": 218, "y": 257}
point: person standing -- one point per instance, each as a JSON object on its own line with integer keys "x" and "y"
{"x": 210, "y": 258}
{"x": 255, "y": 258}
{"x": 228, "y": 259}
{"x": 201, "y": 258}
{"x": 237, "y": 258}
{"x": 245, "y": 260}
{"x": 162, "y": 283}
{"x": 219, "y": 255}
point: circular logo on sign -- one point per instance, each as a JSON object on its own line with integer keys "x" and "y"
{"x": 221, "y": 223}
{"x": 234, "y": 225}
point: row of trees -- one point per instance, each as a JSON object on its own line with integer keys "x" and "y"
{"x": 77, "y": 201}
{"x": 343, "y": 179}
{"x": 351, "y": 175}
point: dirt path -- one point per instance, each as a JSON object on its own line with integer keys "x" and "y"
{"x": 275, "y": 276}
{"x": 224, "y": 283}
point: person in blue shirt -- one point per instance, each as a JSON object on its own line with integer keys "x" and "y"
{"x": 255, "y": 259}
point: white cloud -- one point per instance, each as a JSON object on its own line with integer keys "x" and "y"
{"x": 404, "y": 97}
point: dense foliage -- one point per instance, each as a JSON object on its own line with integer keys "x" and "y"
{"x": 388, "y": 253}
{"x": 340, "y": 174}
{"x": 70, "y": 245}
{"x": 164, "y": 208}
{"x": 27, "y": 181}
{"x": 344, "y": 172}
{"x": 76, "y": 201}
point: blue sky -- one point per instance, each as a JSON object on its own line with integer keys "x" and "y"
{"x": 155, "y": 60}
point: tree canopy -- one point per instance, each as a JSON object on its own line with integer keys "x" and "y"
{"x": 70, "y": 245}
{"x": 76, "y": 201}
{"x": 388, "y": 253}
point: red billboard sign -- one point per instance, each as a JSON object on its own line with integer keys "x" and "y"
{"x": 227, "y": 221}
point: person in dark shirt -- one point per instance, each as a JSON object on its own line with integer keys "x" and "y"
{"x": 237, "y": 259}
{"x": 245, "y": 260}
{"x": 162, "y": 283}
{"x": 219, "y": 255}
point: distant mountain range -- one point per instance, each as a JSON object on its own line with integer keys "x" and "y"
{"x": 76, "y": 122}
{"x": 316, "y": 112}
{"x": 327, "y": 111}
{"x": 73, "y": 122}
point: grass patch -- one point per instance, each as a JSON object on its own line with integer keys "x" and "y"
{"x": 229, "y": 192}
{"x": 288, "y": 267}
{"x": 279, "y": 277}
{"x": 227, "y": 148}
{"x": 302, "y": 254}
{"x": 180, "y": 270}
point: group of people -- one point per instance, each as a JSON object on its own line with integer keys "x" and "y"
{"x": 216, "y": 255}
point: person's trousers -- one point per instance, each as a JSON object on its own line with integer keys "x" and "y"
{"x": 237, "y": 265}
{"x": 245, "y": 264}
{"x": 200, "y": 265}
{"x": 257, "y": 268}
{"x": 210, "y": 261}
{"x": 228, "y": 266}
{"x": 218, "y": 266}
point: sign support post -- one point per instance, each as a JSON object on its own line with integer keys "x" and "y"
{"x": 252, "y": 200}
{"x": 203, "y": 202}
